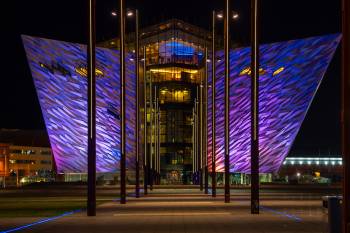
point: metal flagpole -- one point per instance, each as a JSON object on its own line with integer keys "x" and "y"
{"x": 91, "y": 56}
{"x": 145, "y": 171}
{"x": 137, "y": 165}
{"x": 254, "y": 107}
{"x": 193, "y": 147}
{"x": 151, "y": 133}
{"x": 122, "y": 104}
{"x": 155, "y": 135}
{"x": 213, "y": 123}
{"x": 158, "y": 140}
{"x": 200, "y": 108}
{"x": 227, "y": 98}
{"x": 205, "y": 128}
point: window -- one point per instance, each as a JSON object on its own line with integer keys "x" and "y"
{"x": 45, "y": 152}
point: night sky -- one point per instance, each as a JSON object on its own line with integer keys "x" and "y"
{"x": 66, "y": 20}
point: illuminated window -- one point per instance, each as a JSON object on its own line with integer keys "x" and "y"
{"x": 278, "y": 71}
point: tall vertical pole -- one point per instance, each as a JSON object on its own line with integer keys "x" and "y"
{"x": 193, "y": 147}
{"x": 346, "y": 114}
{"x": 201, "y": 137}
{"x": 137, "y": 165}
{"x": 122, "y": 104}
{"x": 155, "y": 135}
{"x": 91, "y": 56}
{"x": 205, "y": 128}
{"x": 227, "y": 98}
{"x": 195, "y": 157}
{"x": 213, "y": 110}
{"x": 145, "y": 171}
{"x": 150, "y": 174}
{"x": 254, "y": 147}
{"x": 158, "y": 140}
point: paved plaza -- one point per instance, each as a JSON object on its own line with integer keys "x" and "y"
{"x": 190, "y": 211}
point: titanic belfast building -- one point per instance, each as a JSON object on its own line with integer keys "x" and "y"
{"x": 175, "y": 92}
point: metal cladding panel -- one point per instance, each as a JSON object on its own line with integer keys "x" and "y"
{"x": 289, "y": 77}
{"x": 59, "y": 72}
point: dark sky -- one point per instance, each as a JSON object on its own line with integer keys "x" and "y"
{"x": 66, "y": 20}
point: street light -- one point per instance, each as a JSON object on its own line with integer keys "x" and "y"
{"x": 220, "y": 15}
{"x": 131, "y": 13}
{"x": 215, "y": 15}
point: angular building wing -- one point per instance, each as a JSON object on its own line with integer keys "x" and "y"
{"x": 290, "y": 73}
{"x": 60, "y": 77}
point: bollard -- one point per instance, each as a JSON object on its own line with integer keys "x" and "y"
{"x": 334, "y": 214}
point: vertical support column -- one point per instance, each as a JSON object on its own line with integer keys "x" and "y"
{"x": 206, "y": 177}
{"x": 145, "y": 171}
{"x": 137, "y": 165}
{"x": 91, "y": 56}
{"x": 254, "y": 147}
{"x": 213, "y": 122}
{"x": 227, "y": 97}
{"x": 346, "y": 114}
{"x": 122, "y": 104}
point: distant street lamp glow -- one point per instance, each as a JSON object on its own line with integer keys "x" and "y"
{"x": 114, "y": 14}
{"x": 130, "y": 13}
{"x": 220, "y": 15}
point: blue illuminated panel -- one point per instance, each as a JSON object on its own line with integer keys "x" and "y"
{"x": 59, "y": 73}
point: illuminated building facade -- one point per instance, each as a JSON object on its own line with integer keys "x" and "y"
{"x": 175, "y": 59}
{"x": 290, "y": 74}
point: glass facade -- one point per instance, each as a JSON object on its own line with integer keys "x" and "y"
{"x": 174, "y": 70}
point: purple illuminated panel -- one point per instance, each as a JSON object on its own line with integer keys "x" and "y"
{"x": 59, "y": 73}
{"x": 291, "y": 73}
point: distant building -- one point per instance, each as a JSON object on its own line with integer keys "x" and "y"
{"x": 25, "y": 157}
{"x": 175, "y": 68}
{"x": 306, "y": 169}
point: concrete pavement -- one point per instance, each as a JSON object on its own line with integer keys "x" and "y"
{"x": 192, "y": 212}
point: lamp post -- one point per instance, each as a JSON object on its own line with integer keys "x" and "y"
{"x": 213, "y": 87}
{"x": 227, "y": 15}
{"x": 254, "y": 148}
{"x": 122, "y": 102}
{"x": 346, "y": 114}
{"x": 227, "y": 97}
{"x": 91, "y": 56}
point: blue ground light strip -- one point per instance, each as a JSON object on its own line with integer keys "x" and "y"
{"x": 50, "y": 219}
{"x": 40, "y": 222}
{"x": 281, "y": 213}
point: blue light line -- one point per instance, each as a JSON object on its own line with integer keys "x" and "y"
{"x": 40, "y": 222}
{"x": 285, "y": 214}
